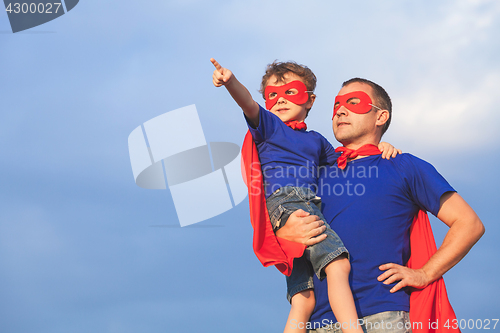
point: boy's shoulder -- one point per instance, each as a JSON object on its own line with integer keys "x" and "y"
{"x": 319, "y": 136}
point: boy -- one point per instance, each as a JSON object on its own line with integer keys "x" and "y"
{"x": 284, "y": 146}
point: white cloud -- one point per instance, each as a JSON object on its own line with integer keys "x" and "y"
{"x": 449, "y": 97}
{"x": 440, "y": 117}
{"x": 460, "y": 25}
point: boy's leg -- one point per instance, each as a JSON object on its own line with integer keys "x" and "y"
{"x": 282, "y": 203}
{"x": 300, "y": 293}
{"x": 302, "y": 307}
{"x": 300, "y": 284}
{"x": 330, "y": 258}
{"x": 340, "y": 295}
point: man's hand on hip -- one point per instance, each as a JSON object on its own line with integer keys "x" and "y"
{"x": 407, "y": 277}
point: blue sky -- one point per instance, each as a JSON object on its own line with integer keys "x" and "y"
{"x": 83, "y": 249}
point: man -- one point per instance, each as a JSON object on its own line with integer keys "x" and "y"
{"x": 371, "y": 204}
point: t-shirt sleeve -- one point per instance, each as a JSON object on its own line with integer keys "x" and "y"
{"x": 328, "y": 155}
{"x": 425, "y": 183}
{"x": 267, "y": 125}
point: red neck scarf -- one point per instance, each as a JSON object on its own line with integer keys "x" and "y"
{"x": 296, "y": 125}
{"x": 353, "y": 153}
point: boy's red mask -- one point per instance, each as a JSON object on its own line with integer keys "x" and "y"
{"x": 356, "y": 101}
{"x": 281, "y": 91}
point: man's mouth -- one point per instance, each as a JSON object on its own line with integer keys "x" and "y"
{"x": 342, "y": 123}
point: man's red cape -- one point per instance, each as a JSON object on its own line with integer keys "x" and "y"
{"x": 427, "y": 306}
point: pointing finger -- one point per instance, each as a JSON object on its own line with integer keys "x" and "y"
{"x": 216, "y": 64}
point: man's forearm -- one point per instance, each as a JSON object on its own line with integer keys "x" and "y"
{"x": 465, "y": 230}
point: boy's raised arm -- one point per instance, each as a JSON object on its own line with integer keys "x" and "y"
{"x": 224, "y": 77}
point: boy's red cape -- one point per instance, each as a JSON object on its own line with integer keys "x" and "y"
{"x": 429, "y": 306}
{"x": 270, "y": 249}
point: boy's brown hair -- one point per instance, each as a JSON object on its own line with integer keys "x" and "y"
{"x": 279, "y": 69}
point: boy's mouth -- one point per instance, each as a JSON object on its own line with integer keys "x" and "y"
{"x": 282, "y": 110}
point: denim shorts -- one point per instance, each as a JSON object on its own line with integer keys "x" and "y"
{"x": 280, "y": 205}
{"x": 383, "y": 322}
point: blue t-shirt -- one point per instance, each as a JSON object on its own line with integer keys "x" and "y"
{"x": 289, "y": 157}
{"x": 371, "y": 205}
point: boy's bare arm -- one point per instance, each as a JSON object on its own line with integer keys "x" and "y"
{"x": 388, "y": 150}
{"x": 224, "y": 77}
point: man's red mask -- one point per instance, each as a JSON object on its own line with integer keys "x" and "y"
{"x": 273, "y": 93}
{"x": 356, "y": 101}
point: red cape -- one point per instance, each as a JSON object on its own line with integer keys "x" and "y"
{"x": 270, "y": 250}
{"x": 428, "y": 306}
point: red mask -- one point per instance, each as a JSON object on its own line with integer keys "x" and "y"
{"x": 281, "y": 91}
{"x": 356, "y": 101}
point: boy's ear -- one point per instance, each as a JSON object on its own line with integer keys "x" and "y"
{"x": 310, "y": 101}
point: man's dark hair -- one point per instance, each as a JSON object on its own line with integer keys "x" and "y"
{"x": 279, "y": 69}
{"x": 382, "y": 99}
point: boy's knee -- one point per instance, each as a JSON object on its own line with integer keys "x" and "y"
{"x": 304, "y": 300}
{"x": 339, "y": 265}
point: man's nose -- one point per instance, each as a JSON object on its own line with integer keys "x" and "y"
{"x": 342, "y": 111}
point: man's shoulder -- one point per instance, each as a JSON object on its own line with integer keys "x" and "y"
{"x": 407, "y": 160}
{"x": 412, "y": 168}
{"x": 407, "y": 167}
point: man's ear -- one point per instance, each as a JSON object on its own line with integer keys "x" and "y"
{"x": 382, "y": 117}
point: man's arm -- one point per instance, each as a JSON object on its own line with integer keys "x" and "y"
{"x": 224, "y": 77}
{"x": 301, "y": 227}
{"x": 465, "y": 230}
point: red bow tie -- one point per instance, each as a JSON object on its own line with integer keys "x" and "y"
{"x": 296, "y": 125}
{"x": 353, "y": 153}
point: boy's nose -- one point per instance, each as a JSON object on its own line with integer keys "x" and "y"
{"x": 281, "y": 99}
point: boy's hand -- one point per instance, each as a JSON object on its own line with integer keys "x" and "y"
{"x": 224, "y": 77}
{"x": 221, "y": 75}
{"x": 388, "y": 150}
